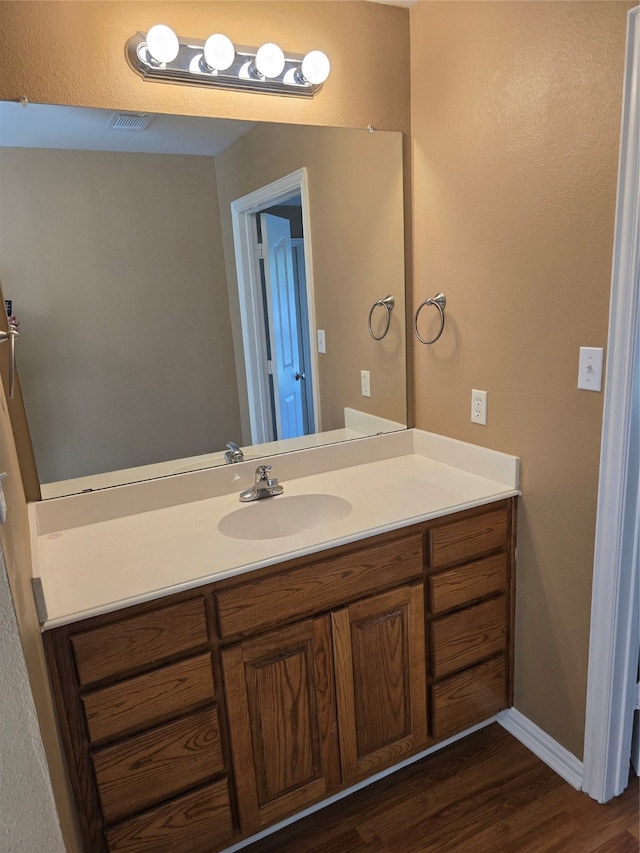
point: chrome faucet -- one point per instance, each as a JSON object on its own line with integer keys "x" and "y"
{"x": 264, "y": 486}
{"x": 233, "y": 454}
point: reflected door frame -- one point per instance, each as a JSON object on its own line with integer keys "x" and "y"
{"x": 245, "y": 242}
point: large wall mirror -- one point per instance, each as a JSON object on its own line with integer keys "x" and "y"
{"x": 154, "y": 329}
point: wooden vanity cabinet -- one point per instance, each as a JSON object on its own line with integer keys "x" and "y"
{"x": 197, "y": 719}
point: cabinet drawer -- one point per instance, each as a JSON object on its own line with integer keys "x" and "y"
{"x": 456, "y": 587}
{"x": 468, "y": 636}
{"x": 148, "y": 699}
{"x": 463, "y": 540}
{"x": 467, "y": 698}
{"x": 197, "y": 822}
{"x": 319, "y": 586}
{"x": 151, "y": 767}
{"x": 140, "y": 641}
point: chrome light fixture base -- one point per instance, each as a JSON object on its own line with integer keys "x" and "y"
{"x": 189, "y": 68}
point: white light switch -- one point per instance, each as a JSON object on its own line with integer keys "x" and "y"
{"x": 321, "y": 343}
{"x": 590, "y": 368}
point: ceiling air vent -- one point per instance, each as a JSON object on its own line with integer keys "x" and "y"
{"x": 129, "y": 121}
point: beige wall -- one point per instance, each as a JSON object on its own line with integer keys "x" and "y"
{"x": 88, "y": 66}
{"x": 515, "y": 115}
{"x": 131, "y": 273}
{"x": 356, "y": 216}
{"x": 90, "y": 70}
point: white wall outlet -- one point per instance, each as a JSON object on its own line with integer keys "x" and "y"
{"x": 365, "y": 383}
{"x": 321, "y": 343}
{"x": 590, "y": 368}
{"x": 478, "y": 407}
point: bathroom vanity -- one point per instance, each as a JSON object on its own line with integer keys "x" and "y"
{"x": 197, "y": 708}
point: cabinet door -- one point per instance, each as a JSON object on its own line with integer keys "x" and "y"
{"x": 281, "y": 710}
{"x": 380, "y": 680}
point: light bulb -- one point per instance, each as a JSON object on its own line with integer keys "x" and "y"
{"x": 316, "y": 67}
{"x": 219, "y": 52}
{"x": 162, "y": 43}
{"x": 269, "y": 60}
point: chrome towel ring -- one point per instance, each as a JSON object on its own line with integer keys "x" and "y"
{"x": 439, "y": 301}
{"x": 387, "y": 303}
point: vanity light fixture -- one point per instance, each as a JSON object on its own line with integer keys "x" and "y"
{"x": 161, "y": 55}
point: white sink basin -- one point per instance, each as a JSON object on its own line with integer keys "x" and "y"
{"x": 283, "y": 515}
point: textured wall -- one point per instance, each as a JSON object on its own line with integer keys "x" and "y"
{"x": 29, "y": 821}
{"x": 87, "y": 40}
{"x": 124, "y": 280}
{"x": 515, "y": 118}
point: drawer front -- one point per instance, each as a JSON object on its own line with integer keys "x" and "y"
{"x": 315, "y": 588}
{"x": 472, "y": 537}
{"x": 466, "y": 637}
{"x": 194, "y": 823}
{"x": 467, "y": 698}
{"x": 462, "y": 585}
{"x": 140, "y": 641}
{"x": 151, "y": 767}
{"x": 148, "y": 699}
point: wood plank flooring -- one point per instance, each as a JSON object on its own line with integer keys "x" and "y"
{"x": 485, "y": 794}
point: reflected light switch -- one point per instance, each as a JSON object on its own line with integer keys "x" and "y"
{"x": 590, "y": 368}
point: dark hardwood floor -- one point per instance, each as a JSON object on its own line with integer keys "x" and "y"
{"x": 485, "y": 794}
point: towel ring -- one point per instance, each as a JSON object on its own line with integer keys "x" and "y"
{"x": 387, "y": 303}
{"x": 439, "y": 301}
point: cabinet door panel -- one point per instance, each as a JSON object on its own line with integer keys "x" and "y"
{"x": 380, "y": 678}
{"x": 281, "y": 710}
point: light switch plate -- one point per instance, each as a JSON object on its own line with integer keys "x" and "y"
{"x": 590, "y": 368}
{"x": 322, "y": 347}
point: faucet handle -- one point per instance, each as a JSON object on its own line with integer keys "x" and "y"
{"x": 234, "y": 453}
{"x": 262, "y": 473}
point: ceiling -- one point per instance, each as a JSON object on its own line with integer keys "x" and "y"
{"x": 52, "y": 126}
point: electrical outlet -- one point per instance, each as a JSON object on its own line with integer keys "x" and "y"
{"x": 478, "y": 407}
{"x": 365, "y": 383}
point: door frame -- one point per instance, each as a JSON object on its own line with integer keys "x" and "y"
{"x": 615, "y": 630}
{"x": 245, "y": 240}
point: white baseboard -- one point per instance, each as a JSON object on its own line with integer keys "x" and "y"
{"x": 555, "y": 756}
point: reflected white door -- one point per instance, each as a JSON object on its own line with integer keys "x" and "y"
{"x": 284, "y": 328}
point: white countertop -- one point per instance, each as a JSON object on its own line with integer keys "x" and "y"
{"x": 103, "y": 551}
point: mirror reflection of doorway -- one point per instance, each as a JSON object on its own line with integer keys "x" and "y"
{"x": 277, "y": 309}
{"x": 281, "y": 237}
